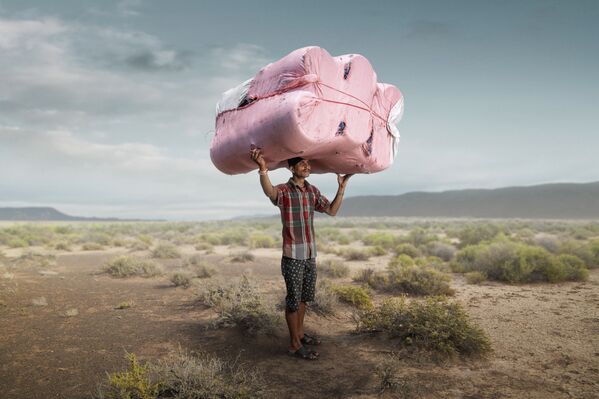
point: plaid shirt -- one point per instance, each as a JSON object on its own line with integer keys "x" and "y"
{"x": 297, "y": 207}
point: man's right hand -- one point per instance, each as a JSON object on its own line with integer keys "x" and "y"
{"x": 256, "y": 155}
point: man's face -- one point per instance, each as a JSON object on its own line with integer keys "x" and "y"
{"x": 301, "y": 169}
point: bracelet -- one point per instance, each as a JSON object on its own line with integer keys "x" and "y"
{"x": 262, "y": 172}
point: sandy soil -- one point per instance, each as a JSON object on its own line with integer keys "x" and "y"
{"x": 545, "y": 337}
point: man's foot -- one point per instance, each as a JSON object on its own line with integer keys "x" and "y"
{"x": 304, "y": 353}
{"x": 308, "y": 339}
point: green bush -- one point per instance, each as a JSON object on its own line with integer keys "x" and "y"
{"x": 441, "y": 250}
{"x": 434, "y": 324}
{"x": 574, "y": 268}
{"x": 517, "y": 263}
{"x": 166, "y": 251}
{"x": 333, "y": 268}
{"x": 262, "y": 241}
{"x": 416, "y": 280}
{"x": 127, "y": 266}
{"x": 134, "y": 383}
{"x": 407, "y": 249}
{"x": 474, "y": 234}
{"x": 401, "y": 260}
{"x": 377, "y": 251}
{"x": 475, "y": 277}
{"x": 356, "y": 296}
{"x": 379, "y": 238}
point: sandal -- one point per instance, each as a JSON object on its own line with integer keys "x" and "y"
{"x": 308, "y": 339}
{"x": 304, "y": 353}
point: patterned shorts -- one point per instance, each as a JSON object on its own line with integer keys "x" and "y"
{"x": 300, "y": 279}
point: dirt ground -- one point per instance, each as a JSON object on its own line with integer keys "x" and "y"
{"x": 545, "y": 336}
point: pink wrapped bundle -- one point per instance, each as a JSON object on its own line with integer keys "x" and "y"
{"x": 330, "y": 110}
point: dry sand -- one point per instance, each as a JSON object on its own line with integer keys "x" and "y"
{"x": 545, "y": 336}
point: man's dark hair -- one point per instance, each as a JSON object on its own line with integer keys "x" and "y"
{"x": 294, "y": 161}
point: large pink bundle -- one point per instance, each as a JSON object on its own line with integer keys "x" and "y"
{"x": 330, "y": 110}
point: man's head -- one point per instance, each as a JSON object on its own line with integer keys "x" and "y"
{"x": 300, "y": 167}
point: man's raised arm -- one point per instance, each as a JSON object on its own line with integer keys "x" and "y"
{"x": 336, "y": 204}
{"x": 267, "y": 186}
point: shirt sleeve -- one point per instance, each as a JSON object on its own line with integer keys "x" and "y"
{"x": 279, "y": 200}
{"x": 321, "y": 202}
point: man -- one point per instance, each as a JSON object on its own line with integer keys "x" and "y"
{"x": 297, "y": 200}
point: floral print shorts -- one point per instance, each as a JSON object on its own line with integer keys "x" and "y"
{"x": 300, "y": 279}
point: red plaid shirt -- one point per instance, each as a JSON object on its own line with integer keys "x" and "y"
{"x": 297, "y": 207}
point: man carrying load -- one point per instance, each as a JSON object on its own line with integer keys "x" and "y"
{"x": 297, "y": 201}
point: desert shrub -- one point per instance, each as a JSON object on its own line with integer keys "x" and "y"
{"x": 242, "y": 305}
{"x": 574, "y": 268}
{"x": 243, "y": 257}
{"x": 401, "y": 260}
{"x": 262, "y": 241}
{"x": 377, "y": 251}
{"x": 333, "y": 268}
{"x": 475, "y": 277}
{"x": 417, "y": 280}
{"x": 138, "y": 246}
{"x": 515, "y": 263}
{"x": 356, "y": 296}
{"x": 355, "y": 254}
{"x": 134, "y": 383}
{"x": 127, "y": 266}
{"x": 581, "y": 250}
{"x": 204, "y": 246}
{"x": 91, "y": 246}
{"x": 198, "y": 266}
{"x": 434, "y": 324}
{"x": 474, "y": 234}
{"x": 180, "y": 279}
{"x": 325, "y": 299}
{"x": 62, "y": 246}
{"x": 166, "y": 251}
{"x": 434, "y": 262}
{"x": 17, "y": 243}
{"x": 594, "y": 249}
{"x": 547, "y": 241}
{"x": 418, "y": 237}
{"x": 186, "y": 376}
{"x": 441, "y": 250}
{"x": 234, "y": 237}
{"x": 407, "y": 249}
{"x": 379, "y": 238}
{"x": 364, "y": 276}
{"x": 388, "y": 373}
{"x": 146, "y": 239}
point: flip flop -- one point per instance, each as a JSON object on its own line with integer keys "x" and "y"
{"x": 308, "y": 339}
{"x": 304, "y": 353}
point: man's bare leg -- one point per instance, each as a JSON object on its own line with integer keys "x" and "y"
{"x": 301, "y": 312}
{"x": 293, "y": 322}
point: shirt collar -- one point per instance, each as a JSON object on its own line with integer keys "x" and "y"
{"x": 292, "y": 184}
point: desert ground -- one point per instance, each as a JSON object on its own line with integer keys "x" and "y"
{"x": 66, "y": 323}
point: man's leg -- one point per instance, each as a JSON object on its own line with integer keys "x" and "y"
{"x": 301, "y": 312}
{"x": 293, "y": 322}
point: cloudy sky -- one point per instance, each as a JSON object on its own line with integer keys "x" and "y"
{"x": 107, "y": 107}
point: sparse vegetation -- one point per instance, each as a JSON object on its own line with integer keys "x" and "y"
{"x": 475, "y": 277}
{"x": 325, "y": 299}
{"x": 434, "y": 324}
{"x": 333, "y": 269}
{"x": 242, "y": 305}
{"x": 243, "y": 257}
{"x": 356, "y": 296}
{"x": 128, "y": 266}
{"x": 166, "y": 251}
{"x": 180, "y": 279}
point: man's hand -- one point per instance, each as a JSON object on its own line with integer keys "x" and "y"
{"x": 342, "y": 180}
{"x": 256, "y": 155}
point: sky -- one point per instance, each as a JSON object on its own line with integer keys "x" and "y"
{"x": 107, "y": 108}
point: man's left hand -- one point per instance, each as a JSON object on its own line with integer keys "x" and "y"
{"x": 342, "y": 180}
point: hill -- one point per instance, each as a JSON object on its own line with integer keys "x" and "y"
{"x": 546, "y": 201}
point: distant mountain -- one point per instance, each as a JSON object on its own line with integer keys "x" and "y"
{"x": 45, "y": 214}
{"x": 546, "y": 201}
